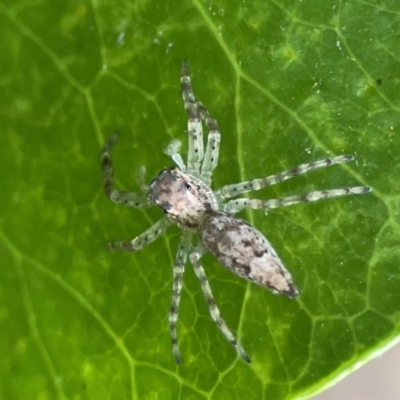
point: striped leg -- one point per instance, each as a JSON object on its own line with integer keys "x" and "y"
{"x": 229, "y": 191}
{"x": 237, "y": 205}
{"x": 212, "y": 306}
{"x": 142, "y": 240}
{"x": 212, "y": 150}
{"x": 137, "y": 200}
{"x": 197, "y": 112}
{"x": 195, "y": 130}
{"x": 179, "y": 268}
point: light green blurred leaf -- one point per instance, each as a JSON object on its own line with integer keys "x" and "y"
{"x": 289, "y": 82}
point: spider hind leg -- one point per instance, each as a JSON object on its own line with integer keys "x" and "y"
{"x": 212, "y": 306}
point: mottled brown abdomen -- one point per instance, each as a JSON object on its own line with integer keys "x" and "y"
{"x": 245, "y": 251}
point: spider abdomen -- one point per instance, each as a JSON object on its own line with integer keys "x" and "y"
{"x": 245, "y": 251}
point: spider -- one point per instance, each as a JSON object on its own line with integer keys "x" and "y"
{"x": 184, "y": 194}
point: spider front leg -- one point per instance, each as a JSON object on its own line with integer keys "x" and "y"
{"x": 234, "y": 206}
{"x": 195, "y": 130}
{"x": 198, "y": 112}
{"x": 130, "y": 199}
{"x": 142, "y": 240}
{"x": 210, "y": 161}
{"x": 194, "y": 257}
{"x": 179, "y": 269}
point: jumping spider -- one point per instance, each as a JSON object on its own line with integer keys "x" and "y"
{"x": 184, "y": 193}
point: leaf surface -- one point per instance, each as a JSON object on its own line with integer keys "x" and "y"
{"x": 288, "y": 84}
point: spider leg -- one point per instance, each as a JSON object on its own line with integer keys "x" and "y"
{"x": 230, "y": 191}
{"x": 197, "y": 112}
{"x": 143, "y": 239}
{"x": 194, "y": 257}
{"x": 179, "y": 268}
{"x": 130, "y": 199}
{"x": 195, "y": 130}
{"x": 237, "y": 205}
{"x": 212, "y": 150}
{"x": 172, "y": 150}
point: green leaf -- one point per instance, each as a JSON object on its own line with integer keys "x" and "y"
{"x": 288, "y": 82}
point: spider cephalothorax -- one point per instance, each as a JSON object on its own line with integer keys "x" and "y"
{"x": 184, "y": 198}
{"x": 185, "y": 195}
